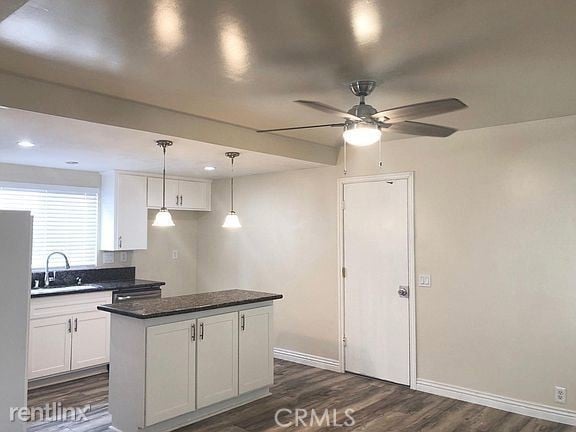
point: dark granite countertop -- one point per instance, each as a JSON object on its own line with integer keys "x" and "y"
{"x": 154, "y": 308}
{"x": 120, "y": 285}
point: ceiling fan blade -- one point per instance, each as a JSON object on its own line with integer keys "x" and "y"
{"x": 423, "y": 129}
{"x": 302, "y": 127}
{"x": 328, "y": 109}
{"x": 419, "y": 110}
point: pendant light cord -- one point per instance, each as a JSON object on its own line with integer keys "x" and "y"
{"x": 232, "y": 186}
{"x": 164, "y": 179}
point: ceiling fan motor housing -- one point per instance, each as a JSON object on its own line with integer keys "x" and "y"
{"x": 364, "y": 111}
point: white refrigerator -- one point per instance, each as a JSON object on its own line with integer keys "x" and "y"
{"x": 15, "y": 280}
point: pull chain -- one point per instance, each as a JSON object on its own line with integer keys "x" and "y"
{"x": 345, "y": 159}
{"x": 380, "y": 163}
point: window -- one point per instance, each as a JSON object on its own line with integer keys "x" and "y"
{"x": 65, "y": 220}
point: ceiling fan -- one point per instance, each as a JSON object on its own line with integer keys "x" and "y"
{"x": 363, "y": 124}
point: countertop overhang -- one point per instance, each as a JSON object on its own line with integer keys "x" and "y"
{"x": 154, "y": 308}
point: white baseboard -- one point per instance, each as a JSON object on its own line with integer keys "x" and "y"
{"x": 516, "y": 406}
{"x": 307, "y": 359}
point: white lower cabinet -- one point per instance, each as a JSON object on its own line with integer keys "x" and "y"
{"x": 49, "y": 352}
{"x": 256, "y": 359}
{"x": 217, "y": 358}
{"x": 171, "y": 371}
{"x": 170, "y": 379}
{"x": 90, "y": 339}
{"x": 68, "y": 333}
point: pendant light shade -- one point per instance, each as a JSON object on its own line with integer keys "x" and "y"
{"x": 232, "y": 220}
{"x": 163, "y": 217}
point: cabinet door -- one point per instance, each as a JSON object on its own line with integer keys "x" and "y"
{"x": 155, "y": 193}
{"x": 131, "y": 212}
{"x": 256, "y": 369}
{"x": 170, "y": 370}
{"x": 90, "y": 339}
{"x": 217, "y": 359}
{"x": 49, "y": 346}
{"x": 194, "y": 195}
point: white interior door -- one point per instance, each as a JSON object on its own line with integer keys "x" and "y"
{"x": 376, "y": 322}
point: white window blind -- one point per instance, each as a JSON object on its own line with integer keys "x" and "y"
{"x": 65, "y": 220}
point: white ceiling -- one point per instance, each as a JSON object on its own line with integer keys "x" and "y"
{"x": 245, "y": 62}
{"x": 100, "y": 147}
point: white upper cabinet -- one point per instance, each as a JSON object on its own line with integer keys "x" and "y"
{"x": 180, "y": 194}
{"x": 124, "y": 213}
{"x": 155, "y": 193}
{"x": 256, "y": 358}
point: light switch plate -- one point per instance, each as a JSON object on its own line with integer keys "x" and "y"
{"x": 108, "y": 257}
{"x": 175, "y": 254}
{"x": 123, "y": 257}
{"x": 424, "y": 280}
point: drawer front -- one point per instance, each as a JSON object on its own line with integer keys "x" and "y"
{"x": 44, "y": 307}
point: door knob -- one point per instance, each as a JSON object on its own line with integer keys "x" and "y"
{"x": 403, "y": 291}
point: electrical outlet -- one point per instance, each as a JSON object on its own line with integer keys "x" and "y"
{"x": 175, "y": 254}
{"x": 424, "y": 280}
{"x": 560, "y": 394}
{"x": 123, "y": 256}
{"x": 108, "y": 257}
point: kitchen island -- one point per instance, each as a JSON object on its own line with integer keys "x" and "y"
{"x": 177, "y": 360}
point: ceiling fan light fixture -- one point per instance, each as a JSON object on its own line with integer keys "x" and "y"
{"x": 361, "y": 134}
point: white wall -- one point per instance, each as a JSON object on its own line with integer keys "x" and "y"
{"x": 157, "y": 263}
{"x": 15, "y": 256}
{"x": 495, "y": 227}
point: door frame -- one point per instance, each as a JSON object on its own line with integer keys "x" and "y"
{"x": 409, "y": 177}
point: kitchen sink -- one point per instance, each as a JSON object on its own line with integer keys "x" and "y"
{"x": 63, "y": 289}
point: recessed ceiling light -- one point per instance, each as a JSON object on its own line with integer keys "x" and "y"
{"x": 25, "y": 144}
{"x": 209, "y": 168}
{"x": 72, "y": 162}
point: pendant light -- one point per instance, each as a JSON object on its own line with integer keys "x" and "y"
{"x": 163, "y": 217}
{"x": 232, "y": 220}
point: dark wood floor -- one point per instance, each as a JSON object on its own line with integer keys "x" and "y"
{"x": 378, "y": 406}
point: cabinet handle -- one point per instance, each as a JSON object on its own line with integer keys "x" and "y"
{"x": 181, "y": 200}
{"x": 193, "y": 332}
{"x": 177, "y": 198}
{"x": 120, "y": 242}
{"x": 70, "y": 325}
{"x": 201, "y": 331}
{"x": 243, "y": 322}
{"x": 76, "y": 325}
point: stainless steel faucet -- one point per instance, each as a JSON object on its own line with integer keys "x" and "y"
{"x": 47, "y": 278}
